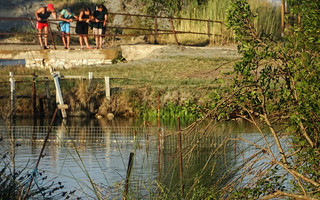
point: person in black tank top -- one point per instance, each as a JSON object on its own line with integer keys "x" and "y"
{"x": 42, "y": 15}
{"x": 82, "y": 27}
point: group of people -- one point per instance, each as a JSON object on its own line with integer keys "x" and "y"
{"x": 96, "y": 20}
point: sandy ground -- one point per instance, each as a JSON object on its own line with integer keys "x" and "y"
{"x": 149, "y": 51}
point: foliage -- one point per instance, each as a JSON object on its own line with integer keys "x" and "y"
{"x": 169, "y": 7}
{"x": 280, "y": 81}
{"x": 14, "y": 182}
{"x": 194, "y": 193}
{"x": 268, "y": 184}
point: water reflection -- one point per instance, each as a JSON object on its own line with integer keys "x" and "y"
{"x": 101, "y": 149}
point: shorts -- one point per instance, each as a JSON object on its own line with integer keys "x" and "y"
{"x": 41, "y": 25}
{"x": 82, "y": 28}
{"x": 65, "y": 27}
{"x": 97, "y": 31}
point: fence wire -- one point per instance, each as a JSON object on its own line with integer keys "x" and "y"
{"x": 93, "y": 134}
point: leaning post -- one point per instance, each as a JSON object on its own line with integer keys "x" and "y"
{"x": 59, "y": 93}
{"x": 174, "y": 31}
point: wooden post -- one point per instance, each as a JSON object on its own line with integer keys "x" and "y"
{"x": 283, "y": 7}
{"x": 91, "y": 100}
{"x": 34, "y": 95}
{"x": 40, "y": 155}
{"x": 41, "y": 109}
{"x": 209, "y": 30}
{"x": 59, "y": 93}
{"x": 180, "y": 156}
{"x": 159, "y": 141}
{"x": 12, "y": 93}
{"x": 51, "y": 36}
{"x": 126, "y": 187}
{"x": 155, "y": 30}
{"x": 48, "y": 94}
{"x": 174, "y": 32}
{"x": 107, "y": 81}
{"x": 90, "y": 76}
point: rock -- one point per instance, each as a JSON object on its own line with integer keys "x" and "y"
{"x": 110, "y": 116}
{"x": 98, "y": 116}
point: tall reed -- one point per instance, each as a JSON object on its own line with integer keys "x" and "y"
{"x": 268, "y": 20}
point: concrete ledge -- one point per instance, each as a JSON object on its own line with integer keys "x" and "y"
{"x": 62, "y": 58}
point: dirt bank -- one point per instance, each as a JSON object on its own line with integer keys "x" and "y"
{"x": 177, "y": 77}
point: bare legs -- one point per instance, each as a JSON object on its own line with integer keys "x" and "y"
{"x": 66, "y": 40}
{"x": 85, "y": 38}
{"x": 45, "y": 37}
{"x": 98, "y": 41}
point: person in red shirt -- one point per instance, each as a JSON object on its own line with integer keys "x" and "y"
{"x": 42, "y": 15}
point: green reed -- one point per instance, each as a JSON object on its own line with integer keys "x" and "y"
{"x": 268, "y": 21}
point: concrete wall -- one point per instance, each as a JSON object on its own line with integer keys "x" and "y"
{"x": 62, "y": 58}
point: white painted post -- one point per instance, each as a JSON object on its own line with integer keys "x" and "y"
{"x": 57, "y": 97}
{"x": 90, "y": 80}
{"x": 107, "y": 80}
{"x": 12, "y": 92}
{"x": 59, "y": 93}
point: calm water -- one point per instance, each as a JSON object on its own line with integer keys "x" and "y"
{"x": 102, "y": 148}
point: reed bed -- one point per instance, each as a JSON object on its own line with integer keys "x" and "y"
{"x": 268, "y": 21}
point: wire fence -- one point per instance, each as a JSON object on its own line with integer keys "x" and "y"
{"x": 90, "y": 134}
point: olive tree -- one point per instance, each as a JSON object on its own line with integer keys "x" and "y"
{"x": 278, "y": 82}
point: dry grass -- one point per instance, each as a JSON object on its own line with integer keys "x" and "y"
{"x": 268, "y": 20}
{"x": 178, "y": 74}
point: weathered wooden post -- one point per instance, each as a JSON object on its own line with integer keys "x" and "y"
{"x": 91, "y": 100}
{"x": 209, "y": 30}
{"x": 283, "y": 7}
{"x": 41, "y": 109}
{"x": 59, "y": 93}
{"x": 34, "y": 95}
{"x": 159, "y": 141}
{"x": 90, "y": 76}
{"x": 107, "y": 81}
{"x": 180, "y": 156}
{"x": 48, "y": 94}
{"x": 126, "y": 187}
{"x": 12, "y": 93}
{"x": 51, "y": 36}
{"x": 155, "y": 30}
{"x": 174, "y": 31}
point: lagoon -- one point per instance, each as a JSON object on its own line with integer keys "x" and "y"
{"x": 81, "y": 149}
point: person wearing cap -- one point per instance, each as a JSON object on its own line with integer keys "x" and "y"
{"x": 42, "y": 15}
{"x": 66, "y": 16}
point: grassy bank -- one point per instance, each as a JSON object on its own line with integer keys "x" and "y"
{"x": 180, "y": 83}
